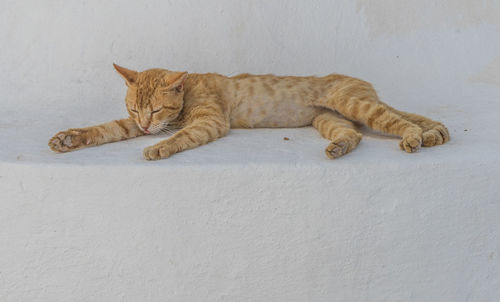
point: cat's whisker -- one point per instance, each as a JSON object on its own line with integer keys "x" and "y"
{"x": 168, "y": 131}
{"x": 155, "y": 128}
{"x": 162, "y": 127}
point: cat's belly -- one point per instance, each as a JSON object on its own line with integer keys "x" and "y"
{"x": 272, "y": 113}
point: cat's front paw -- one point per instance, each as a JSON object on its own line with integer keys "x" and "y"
{"x": 157, "y": 152}
{"x": 70, "y": 140}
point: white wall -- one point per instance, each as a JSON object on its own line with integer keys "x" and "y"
{"x": 53, "y": 51}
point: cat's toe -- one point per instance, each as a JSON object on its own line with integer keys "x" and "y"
{"x": 55, "y": 144}
{"x": 59, "y": 143}
{"x": 337, "y": 149}
{"x": 410, "y": 143}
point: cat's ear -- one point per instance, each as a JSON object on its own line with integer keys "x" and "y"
{"x": 176, "y": 81}
{"x": 130, "y": 76}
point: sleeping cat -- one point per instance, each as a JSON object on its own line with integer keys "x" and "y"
{"x": 206, "y": 106}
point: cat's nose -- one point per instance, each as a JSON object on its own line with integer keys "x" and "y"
{"x": 145, "y": 126}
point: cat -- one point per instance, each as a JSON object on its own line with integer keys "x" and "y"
{"x": 206, "y": 106}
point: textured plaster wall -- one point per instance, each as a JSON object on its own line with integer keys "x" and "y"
{"x": 58, "y": 53}
{"x": 393, "y": 16}
{"x": 250, "y": 217}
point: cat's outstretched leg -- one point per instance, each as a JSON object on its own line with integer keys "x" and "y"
{"x": 204, "y": 126}
{"x": 341, "y": 132}
{"x": 357, "y": 100}
{"x": 74, "y": 139}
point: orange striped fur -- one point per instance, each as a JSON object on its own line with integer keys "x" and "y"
{"x": 206, "y": 106}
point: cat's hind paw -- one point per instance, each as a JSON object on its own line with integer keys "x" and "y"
{"x": 436, "y": 136}
{"x": 335, "y": 150}
{"x": 338, "y": 148}
{"x": 410, "y": 143}
{"x": 69, "y": 140}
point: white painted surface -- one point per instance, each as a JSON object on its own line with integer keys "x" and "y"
{"x": 250, "y": 217}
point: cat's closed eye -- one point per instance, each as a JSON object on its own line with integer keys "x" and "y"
{"x": 171, "y": 108}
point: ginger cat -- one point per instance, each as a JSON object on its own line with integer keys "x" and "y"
{"x": 206, "y": 106}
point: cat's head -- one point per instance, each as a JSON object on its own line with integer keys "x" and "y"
{"x": 154, "y": 98}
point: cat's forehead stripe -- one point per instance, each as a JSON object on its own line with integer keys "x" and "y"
{"x": 147, "y": 83}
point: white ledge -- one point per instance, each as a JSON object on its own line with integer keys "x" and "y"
{"x": 249, "y": 217}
